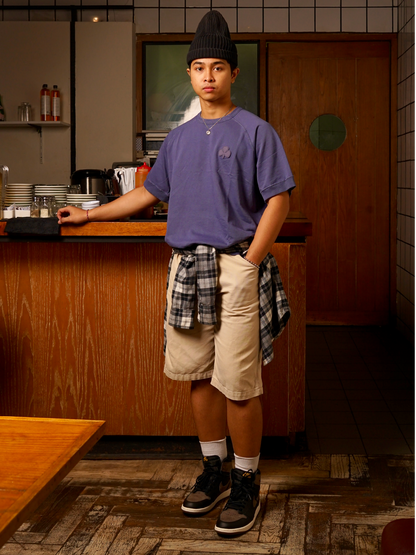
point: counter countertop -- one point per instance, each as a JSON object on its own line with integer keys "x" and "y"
{"x": 296, "y": 225}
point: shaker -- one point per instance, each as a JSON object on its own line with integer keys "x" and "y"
{"x": 44, "y": 210}
{"x": 24, "y": 111}
{"x": 35, "y": 207}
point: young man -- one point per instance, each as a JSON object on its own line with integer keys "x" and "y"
{"x": 227, "y": 181}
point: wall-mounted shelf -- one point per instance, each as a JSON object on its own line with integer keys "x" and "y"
{"x": 33, "y": 124}
{"x": 38, "y": 125}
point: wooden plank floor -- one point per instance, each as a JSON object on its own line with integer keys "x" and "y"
{"x": 35, "y": 454}
{"x": 311, "y": 504}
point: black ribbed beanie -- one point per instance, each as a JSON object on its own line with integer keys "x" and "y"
{"x": 212, "y": 40}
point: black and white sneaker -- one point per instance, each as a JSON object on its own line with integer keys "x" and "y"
{"x": 210, "y": 487}
{"x": 242, "y": 508}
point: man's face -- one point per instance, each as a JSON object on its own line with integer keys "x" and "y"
{"x": 211, "y": 78}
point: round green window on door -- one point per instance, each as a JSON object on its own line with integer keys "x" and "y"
{"x": 327, "y": 132}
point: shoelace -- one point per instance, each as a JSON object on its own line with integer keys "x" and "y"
{"x": 239, "y": 496}
{"x": 206, "y": 479}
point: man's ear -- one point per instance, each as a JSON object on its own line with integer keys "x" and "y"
{"x": 234, "y": 74}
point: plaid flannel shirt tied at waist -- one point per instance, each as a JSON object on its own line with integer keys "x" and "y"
{"x": 196, "y": 279}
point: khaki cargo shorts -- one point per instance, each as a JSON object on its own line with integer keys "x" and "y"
{"x": 229, "y": 352}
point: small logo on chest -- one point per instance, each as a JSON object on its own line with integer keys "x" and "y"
{"x": 224, "y": 152}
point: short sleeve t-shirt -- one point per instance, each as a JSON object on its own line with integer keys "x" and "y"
{"x": 217, "y": 185}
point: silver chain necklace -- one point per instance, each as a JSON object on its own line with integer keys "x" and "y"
{"x": 208, "y": 131}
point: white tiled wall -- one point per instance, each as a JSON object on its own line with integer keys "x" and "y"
{"x": 406, "y": 169}
{"x": 243, "y": 16}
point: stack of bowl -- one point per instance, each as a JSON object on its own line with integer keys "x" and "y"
{"x": 90, "y": 204}
{"x": 76, "y": 199}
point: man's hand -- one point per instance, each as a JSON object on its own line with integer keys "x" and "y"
{"x": 72, "y": 215}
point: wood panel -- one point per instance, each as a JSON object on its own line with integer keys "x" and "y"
{"x": 35, "y": 455}
{"x": 284, "y": 377}
{"x": 327, "y": 184}
{"x": 16, "y": 336}
{"x": 297, "y": 338}
{"x": 276, "y": 378}
{"x": 308, "y": 172}
{"x": 346, "y": 192}
{"x": 81, "y": 336}
{"x": 155, "y": 404}
{"x": 90, "y": 308}
{"x": 346, "y": 48}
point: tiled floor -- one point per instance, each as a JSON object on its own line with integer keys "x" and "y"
{"x": 310, "y": 505}
{"x": 359, "y": 391}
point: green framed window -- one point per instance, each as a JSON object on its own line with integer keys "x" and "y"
{"x": 169, "y": 99}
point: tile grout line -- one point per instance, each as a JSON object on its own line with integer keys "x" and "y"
{"x": 381, "y": 393}
{"x": 342, "y": 386}
{"x": 313, "y": 415}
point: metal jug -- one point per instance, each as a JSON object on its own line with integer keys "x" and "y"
{"x": 91, "y": 181}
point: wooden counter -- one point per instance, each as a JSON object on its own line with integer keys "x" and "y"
{"x": 81, "y": 331}
{"x": 295, "y": 226}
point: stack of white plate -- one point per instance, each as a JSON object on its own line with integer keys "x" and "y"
{"x": 76, "y": 199}
{"x": 20, "y": 194}
{"x": 57, "y": 191}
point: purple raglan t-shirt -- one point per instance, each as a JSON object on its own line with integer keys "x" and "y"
{"x": 216, "y": 185}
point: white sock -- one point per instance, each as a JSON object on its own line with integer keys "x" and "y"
{"x": 218, "y": 447}
{"x": 247, "y": 463}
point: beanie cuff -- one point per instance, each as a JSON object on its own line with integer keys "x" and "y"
{"x": 210, "y": 52}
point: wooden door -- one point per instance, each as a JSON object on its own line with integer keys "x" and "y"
{"x": 344, "y": 192}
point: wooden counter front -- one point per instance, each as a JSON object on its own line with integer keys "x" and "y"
{"x": 81, "y": 336}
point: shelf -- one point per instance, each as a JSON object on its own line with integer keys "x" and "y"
{"x": 37, "y": 125}
{"x": 33, "y": 124}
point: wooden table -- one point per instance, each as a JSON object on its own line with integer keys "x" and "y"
{"x": 35, "y": 454}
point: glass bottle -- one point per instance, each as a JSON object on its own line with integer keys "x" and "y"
{"x": 45, "y": 104}
{"x": 55, "y": 104}
{"x": 51, "y": 203}
{"x": 44, "y": 207}
{"x": 34, "y": 208}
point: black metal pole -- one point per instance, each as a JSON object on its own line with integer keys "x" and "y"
{"x": 73, "y": 89}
